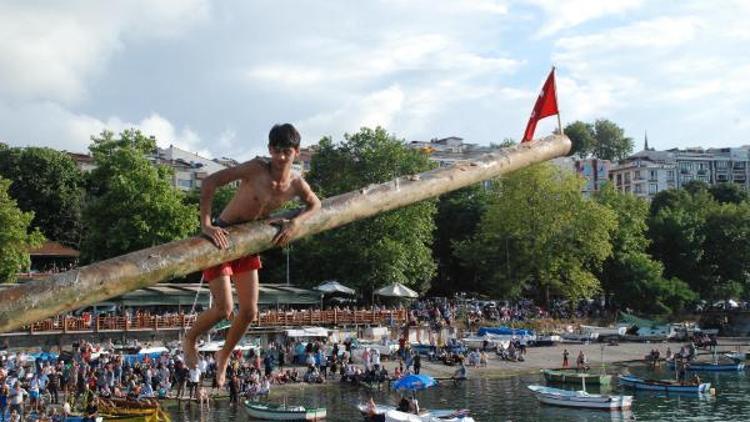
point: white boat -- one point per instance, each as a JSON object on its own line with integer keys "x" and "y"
{"x": 477, "y": 342}
{"x": 215, "y": 346}
{"x": 579, "y": 337}
{"x": 582, "y": 399}
{"x": 282, "y": 412}
{"x": 603, "y": 331}
{"x": 390, "y": 414}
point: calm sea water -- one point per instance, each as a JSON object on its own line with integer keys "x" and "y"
{"x": 507, "y": 399}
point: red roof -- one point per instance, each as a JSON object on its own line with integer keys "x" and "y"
{"x": 54, "y": 249}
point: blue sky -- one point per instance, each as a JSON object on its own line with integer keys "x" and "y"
{"x": 213, "y": 76}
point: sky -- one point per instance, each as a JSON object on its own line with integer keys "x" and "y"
{"x": 212, "y": 77}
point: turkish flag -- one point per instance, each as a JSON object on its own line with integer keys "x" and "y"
{"x": 546, "y": 105}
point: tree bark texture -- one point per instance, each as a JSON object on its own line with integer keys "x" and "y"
{"x": 36, "y": 300}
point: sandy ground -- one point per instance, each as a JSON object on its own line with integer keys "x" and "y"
{"x": 538, "y": 358}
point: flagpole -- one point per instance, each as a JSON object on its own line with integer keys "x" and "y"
{"x": 559, "y": 122}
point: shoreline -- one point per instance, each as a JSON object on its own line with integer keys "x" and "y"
{"x": 537, "y": 359}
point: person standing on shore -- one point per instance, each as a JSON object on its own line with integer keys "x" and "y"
{"x": 565, "y": 358}
{"x": 265, "y": 186}
{"x": 581, "y": 362}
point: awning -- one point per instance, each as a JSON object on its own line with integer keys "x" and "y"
{"x": 174, "y": 294}
{"x": 397, "y": 290}
{"x": 333, "y": 286}
{"x": 307, "y": 332}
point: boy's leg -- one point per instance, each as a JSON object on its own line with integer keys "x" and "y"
{"x": 221, "y": 290}
{"x": 247, "y": 295}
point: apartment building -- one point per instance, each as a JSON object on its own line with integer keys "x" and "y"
{"x": 648, "y": 172}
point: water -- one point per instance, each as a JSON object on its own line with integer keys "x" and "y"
{"x": 507, "y": 399}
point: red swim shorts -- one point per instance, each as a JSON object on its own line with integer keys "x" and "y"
{"x": 238, "y": 266}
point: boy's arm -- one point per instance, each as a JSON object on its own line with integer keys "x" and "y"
{"x": 217, "y": 234}
{"x": 289, "y": 227}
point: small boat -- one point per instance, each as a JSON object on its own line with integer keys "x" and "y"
{"x": 391, "y": 414}
{"x": 570, "y": 376}
{"x": 663, "y": 385}
{"x": 581, "y": 399}
{"x": 736, "y": 356}
{"x": 603, "y": 331}
{"x": 283, "y": 412}
{"x": 711, "y": 367}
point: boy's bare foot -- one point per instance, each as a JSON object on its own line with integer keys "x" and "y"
{"x": 191, "y": 353}
{"x": 222, "y": 360}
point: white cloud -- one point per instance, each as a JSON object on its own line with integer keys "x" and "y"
{"x": 50, "y": 52}
{"x": 562, "y": 15}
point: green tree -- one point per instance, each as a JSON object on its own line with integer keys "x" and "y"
{"x": 677, "y": 235}
{"x": 48, "y": 183}
{"x": 611, "y": 142}
{"x": 389, "y": 247}
{"x": 15, "y": 238}
{"x": 726, "y": 258}
{"x": 540, "y": 236}
{"x": 132, "y": 203}
{"x": 458, "y": 215}
{"x": 630, "y": 273}
{"x": 603, "y": 139}
{"x": 728, "y": 193}
{"x": 582, "y": 137}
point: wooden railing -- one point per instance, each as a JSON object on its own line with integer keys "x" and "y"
{"x": 145, "y": 322}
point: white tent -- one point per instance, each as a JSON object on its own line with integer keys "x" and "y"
{"x": 397, "y": 290}
{"x": 334, "y": 286}
{"x": 307, "y": 332}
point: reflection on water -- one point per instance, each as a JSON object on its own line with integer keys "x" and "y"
{"x": 508, "y": 399}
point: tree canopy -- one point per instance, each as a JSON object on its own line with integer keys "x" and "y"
{"x": 390, "y": 247}
{"x": 539, "y": 236}
{"x": 48, "y": 183}
{"x": 603, "y": 139}
{"x": 132, "y": 204}
{"x": 15, "y": 237}
{"x": 630, "y": 273}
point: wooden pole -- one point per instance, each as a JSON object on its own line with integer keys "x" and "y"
{"x": 63, "y": 292}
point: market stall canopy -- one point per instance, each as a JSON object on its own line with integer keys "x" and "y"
{"x": 397, "y": 290}
{"x": 307, "y": 332}
{"x": 333, "y": 286}
{"x": 166, "y": 294}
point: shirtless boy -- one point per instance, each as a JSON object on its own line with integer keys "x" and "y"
{"x": 265, "y": 185}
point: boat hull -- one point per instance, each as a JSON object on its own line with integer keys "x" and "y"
{"x": 580, "y": 399}
{"x": 571, "y": 377}
{"x": 284, "y": 413}
{"x": 709, "y": 367}
{"x": 641, "y": 384}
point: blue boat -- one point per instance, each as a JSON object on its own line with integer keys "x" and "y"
{"x": 662, "y": 385}
{"x": 712, "y": 367}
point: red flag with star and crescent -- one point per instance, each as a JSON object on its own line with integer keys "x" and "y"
{"x": 546, "y": 105}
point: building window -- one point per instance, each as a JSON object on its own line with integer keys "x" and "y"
{"x": 670, "y": 174}
{"x": 627, "y": 178}
{"x": 185, "y": 183}
{"x": 652, "y": 188}
{"x": 637, "y": 188}
{"x": 685, "y": 167}
{"x": 619, "y": 179}
{"x": 652, "y": 174}
{"x": 637, "y": 175}
{"x": 721, "y": 164}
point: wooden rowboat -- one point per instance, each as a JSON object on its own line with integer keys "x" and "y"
{"x": 581, "y": 399}
{"x": 283, "y": 412}
{"x": 663, "y": 385}
{"x": 570, "y": 376}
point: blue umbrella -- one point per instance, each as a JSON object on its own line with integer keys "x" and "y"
{"x": 414, "y": 382}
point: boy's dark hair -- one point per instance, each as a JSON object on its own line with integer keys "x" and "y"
{"x": 284, "y": 136}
